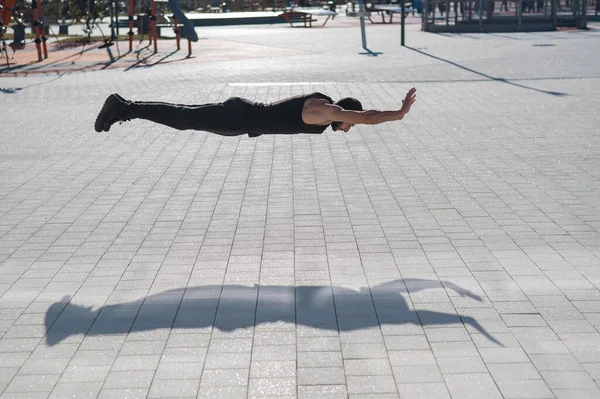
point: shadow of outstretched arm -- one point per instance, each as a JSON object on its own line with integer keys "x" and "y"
{"x": 475, "y": 324}
{"x": 417, "y": 284}
{"x": 461, "y": 291}
{"x": 427, "y": 317}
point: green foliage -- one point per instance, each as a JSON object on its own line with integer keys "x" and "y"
{"x": 52, "y": 8}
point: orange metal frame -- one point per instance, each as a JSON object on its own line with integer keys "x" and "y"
{"x": 153, "y": 31}
{"x": 38, "y": 28}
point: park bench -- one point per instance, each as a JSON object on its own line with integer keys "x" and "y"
{"x": 306, "y": 15}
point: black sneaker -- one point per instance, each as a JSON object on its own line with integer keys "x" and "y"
{"x": 115, "y": 109}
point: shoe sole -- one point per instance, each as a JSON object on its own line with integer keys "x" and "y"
{"x": 100, "y": 124}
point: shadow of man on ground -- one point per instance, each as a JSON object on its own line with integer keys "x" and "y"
{"x": 230, "y": 307}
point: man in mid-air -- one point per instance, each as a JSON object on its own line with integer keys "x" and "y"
{"x": 308, "y": 113}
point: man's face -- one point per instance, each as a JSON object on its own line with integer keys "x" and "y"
{"x": 345, "y": 126}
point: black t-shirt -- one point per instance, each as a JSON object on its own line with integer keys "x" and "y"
{"x": 283, "y": 117}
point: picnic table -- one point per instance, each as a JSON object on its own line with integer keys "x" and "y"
{"x": 390, "y": 9}
{"x": 306, "y": 15}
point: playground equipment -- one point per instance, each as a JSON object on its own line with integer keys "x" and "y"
{"x": 187, "y": 26}
{"x": 9, "y": 10}
{"x": 178, "y": 20}
{"x": 90, "y": 23}
{"x": 91, "y": 20}
{"x": 38, "y": 28}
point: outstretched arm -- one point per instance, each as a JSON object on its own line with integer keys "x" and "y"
{"x": 369, "y": 117}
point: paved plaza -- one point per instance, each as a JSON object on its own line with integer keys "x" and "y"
{"x": 454, "y": 254}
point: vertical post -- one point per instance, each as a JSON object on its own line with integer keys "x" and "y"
{"x": 36, "y": 29}
{"x": 42, "y": 28}
{"x": 481, "y": 15}
{"x": 519, "y": 5}
{"x": 361, "y": 9}
{"x": 402, "y": 23}
{"x": 63, "y": 14}
{"x": 153, "y": 31}
{"x": 177, "y": 33}
{"x": 111, "y": 10}
{"x": 2, "y": 32}
{"x": 553, "y": 13}
{"x": 130, "y": 25}
{"x": 63, "y": 28}
{"x": 88, "y": 18}
{"x": 117, "y": 18}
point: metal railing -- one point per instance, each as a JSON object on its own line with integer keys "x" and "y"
{"x": 506, "y": 15}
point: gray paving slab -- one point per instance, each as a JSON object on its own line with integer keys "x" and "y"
{"x": 454, "y": 254}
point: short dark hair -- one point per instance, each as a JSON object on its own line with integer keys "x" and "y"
{"x": 349, "y": 104}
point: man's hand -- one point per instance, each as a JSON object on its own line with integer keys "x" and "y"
{"x": 408, "y": 101}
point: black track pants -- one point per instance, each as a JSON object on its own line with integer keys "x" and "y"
{"x": 230, "y": 118}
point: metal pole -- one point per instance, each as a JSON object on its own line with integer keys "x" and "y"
{"x": 481, "y": 15}
{"x": 361, "y": 9}
{"x": 152, "y": 19}
{"x": 36, "y": 29}
{"x": 519, "y": 14}
{"x": 87, "y": 19}
{"x": 111, "y": 4}
{"x": 130, "y": 33}
{"x": 177, "y": 32}
{"x": 42, "y": 27}
{"x": 117, "y": 17}
{"x": 402, "y": 23}
{"x": 63, "y": 14}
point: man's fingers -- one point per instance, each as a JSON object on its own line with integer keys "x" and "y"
{"x": 410, "y": 98}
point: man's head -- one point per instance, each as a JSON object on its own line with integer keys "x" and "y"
{"x": 349, "y": 104}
